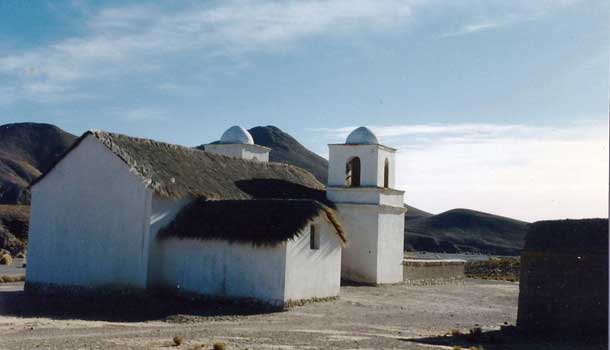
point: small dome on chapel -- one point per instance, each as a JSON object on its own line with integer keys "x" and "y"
{"x": 362, "y": 136}
{"x": 237, "y": 134}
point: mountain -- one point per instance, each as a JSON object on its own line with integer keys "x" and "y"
{"x": 414, "y": 213}
{"x": 286, "y": 149}
{"x": 26, "y": 151}
{"x": 464, "y": 230}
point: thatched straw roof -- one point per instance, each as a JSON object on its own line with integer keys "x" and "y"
{"x": 260, "y": 222}
{"x": 176, "y": 171}
{"x": 584, "y": 236}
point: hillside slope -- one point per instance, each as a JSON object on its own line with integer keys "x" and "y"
{"x": 464, "y": 230}
{"x": 26, "y": 151}
{"x": 286, "y": 149}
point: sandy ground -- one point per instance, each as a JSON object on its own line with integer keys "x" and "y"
{"x": 390, "y": 317}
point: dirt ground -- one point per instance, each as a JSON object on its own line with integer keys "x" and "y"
{"x": 390, "y": 317}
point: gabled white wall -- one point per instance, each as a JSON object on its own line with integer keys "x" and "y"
{"x": 274, "y": 274}
{"x": 313, "y": 273}
{"x": 89, "y": 222}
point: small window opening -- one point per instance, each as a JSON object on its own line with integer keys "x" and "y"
{"x": 314, "y": 238}
{"x": 386, "y": 174}
{"x": 352, "y": 172}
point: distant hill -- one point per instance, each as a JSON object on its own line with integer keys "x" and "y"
{"x": 464, "y": 230}
{"x": 286, "y": 149}
{"x": 414, "y": 213}
{"x": 26, "y": 151}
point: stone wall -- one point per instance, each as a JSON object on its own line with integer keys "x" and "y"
{"x": 422, "y": 272}
{"x": 564, "y": 278}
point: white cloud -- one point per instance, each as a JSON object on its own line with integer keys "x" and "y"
{"x": 497, "y": 14}
{"x": 121, "y": 42}
{"x": 530, "y": 173}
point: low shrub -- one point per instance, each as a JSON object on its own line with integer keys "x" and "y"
{"x": 474, "y": 334}
{"x": 219, "y": 345}
{"x": 177, "y": 340}
{"x": 11, "y": 279}
{"x": 6, "y": 259}
{"x": 456, "y": 333}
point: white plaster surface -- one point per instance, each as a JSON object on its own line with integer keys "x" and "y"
{"x": 372, "y": 162}
{"x": 89, "y": 222}
{"x": 241, "y": 151}
{"x": 288, "y": 271}
{"x": 365, "y": 195}
{"x": 359, "y": 256}
{"x": 373, "y": 216}
{"x": 163, "y": 211}
{"x": 390, "y": 252}
{"x": 313, "y": 273}
{"x": 219, "y": 268}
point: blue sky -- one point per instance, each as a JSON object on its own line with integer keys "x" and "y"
{"x": 499, "y": 106}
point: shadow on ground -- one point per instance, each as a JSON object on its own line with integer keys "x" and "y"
{"x": 124, "y": 307}
{"x": 510, "y": 338}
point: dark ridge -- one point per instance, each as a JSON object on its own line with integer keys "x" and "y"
{"x": 37, "y": 144}
{"x": 414, "y": 213}
{"x": 26, "y": 151}
{"x": 286, "y": 149}
{"x": 464, "y": 230}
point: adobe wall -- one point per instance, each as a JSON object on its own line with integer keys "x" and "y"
{"x": 425, "y": 272}
{"x": 564, "y": 278}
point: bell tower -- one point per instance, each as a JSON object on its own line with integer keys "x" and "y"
{"x": 360, "y": 182}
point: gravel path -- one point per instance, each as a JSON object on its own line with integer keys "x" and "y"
{"x": 397, "y": 317}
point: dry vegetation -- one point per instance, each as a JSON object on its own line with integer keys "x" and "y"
{"x": 11, "y": 279}
{"x": 6, "y": 259}
{"x": 501, "y": 269}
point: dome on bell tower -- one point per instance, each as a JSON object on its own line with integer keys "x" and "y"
{"x": 237, "y": 135}
{"x": 362, "y": 136}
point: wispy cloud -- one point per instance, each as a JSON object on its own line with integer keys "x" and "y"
{"x": 128, "y": 40}
{"x": 507, "y": 13}
{"x": 484, "y": 25}
{"x": 131, "y": 41}
{"x": 527, "y": 172}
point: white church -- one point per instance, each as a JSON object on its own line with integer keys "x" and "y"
{"x": 118, "y": 211}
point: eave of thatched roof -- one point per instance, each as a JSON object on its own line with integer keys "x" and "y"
{"x": 175, "y": 171}
{"x": 259, "y": 222}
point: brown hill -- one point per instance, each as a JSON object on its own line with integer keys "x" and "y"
{"x": 26, "y": 151}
